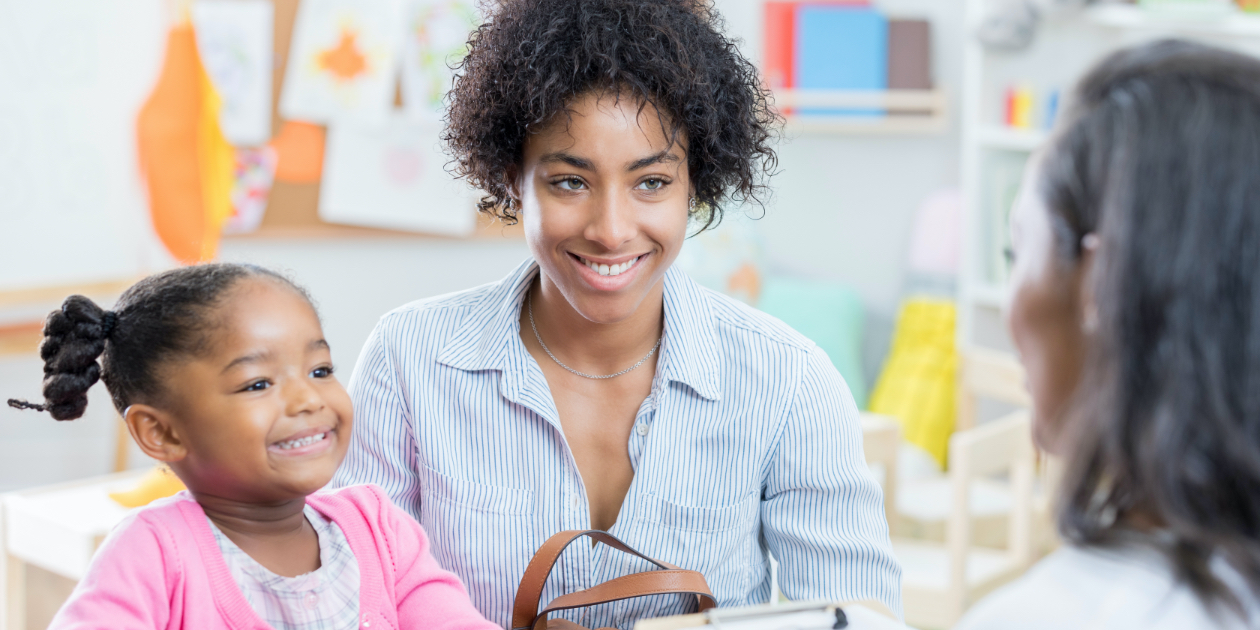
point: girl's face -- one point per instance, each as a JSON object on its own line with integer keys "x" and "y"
{"x": 259, "y": 415}
{"x": 604, "y": 203}
{"x": 1044, "y": 314}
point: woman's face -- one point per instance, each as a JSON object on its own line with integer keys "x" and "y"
{"x": 604, "y": 203}
{"x": 1044, "y": 314}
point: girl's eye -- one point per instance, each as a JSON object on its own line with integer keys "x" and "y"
{"x": 571, "y": 183}
{"x": 257, "y": 386}
{"x": 322, "y": 372}
{"x": 652, "y": 183}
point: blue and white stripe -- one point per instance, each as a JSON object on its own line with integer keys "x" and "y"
{"x": 748, "y": 443}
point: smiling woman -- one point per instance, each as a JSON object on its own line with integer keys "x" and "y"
{"x": 597, "y": 387}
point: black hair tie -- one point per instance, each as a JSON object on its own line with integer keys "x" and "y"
{"x": 108, "y": 322}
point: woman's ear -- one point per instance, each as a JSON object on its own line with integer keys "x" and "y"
{"x": 1089, "y": 307}
{"x": 154, "y": 432}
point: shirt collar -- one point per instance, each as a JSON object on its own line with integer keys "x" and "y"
{"x": 689, "y": 352}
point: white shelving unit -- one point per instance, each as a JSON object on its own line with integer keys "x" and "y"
{"x": 908, "y": 112}
{"x": 1064, "y": 49}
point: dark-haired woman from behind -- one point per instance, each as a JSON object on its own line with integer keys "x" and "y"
{"x": 1136, "y": 311}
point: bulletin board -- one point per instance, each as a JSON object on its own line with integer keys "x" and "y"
{"x": 293, "y": 208}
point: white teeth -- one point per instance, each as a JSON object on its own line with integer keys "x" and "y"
{"x": 611, "y": 270}
{"x": 310, "y": 439}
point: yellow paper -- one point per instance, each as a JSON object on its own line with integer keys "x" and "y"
{"x": 158, "y": 483}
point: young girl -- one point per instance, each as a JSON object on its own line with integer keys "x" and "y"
{"x": 222, "y": 372}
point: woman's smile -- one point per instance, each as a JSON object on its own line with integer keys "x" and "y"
{"x": 608, "y": 274}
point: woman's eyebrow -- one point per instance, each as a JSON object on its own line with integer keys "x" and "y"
{"x": 663, "y": 156}
{"x": 568, "y": 158}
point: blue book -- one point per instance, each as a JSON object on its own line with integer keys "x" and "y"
{"x": 841, "y": 48}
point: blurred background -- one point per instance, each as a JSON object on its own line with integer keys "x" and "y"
{"x": 137, "y": 135}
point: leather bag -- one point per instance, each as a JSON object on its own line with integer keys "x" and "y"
{"x": 669, "y": 579}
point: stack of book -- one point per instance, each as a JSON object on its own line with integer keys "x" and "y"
{"x": 843, "y": 45}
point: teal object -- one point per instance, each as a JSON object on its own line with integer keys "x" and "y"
{"x": 828, "y": 313}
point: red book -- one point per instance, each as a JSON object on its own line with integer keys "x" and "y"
{"x": 780, "y": 23}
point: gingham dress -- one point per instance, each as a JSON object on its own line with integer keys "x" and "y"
{"x": 324, "y": 599}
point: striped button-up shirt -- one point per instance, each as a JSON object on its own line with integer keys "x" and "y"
{"x": 749, "y": 444}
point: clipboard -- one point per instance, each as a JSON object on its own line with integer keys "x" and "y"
{"x": 816, "y": 615}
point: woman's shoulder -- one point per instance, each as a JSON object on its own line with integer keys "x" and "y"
{"x": 436, "y": 318}
{"x": 1130, "y": 587}
{"x": 732, "y": 318}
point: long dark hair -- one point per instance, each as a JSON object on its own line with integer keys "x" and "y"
{"x": 1159, "y": 157}
{"x": 160, "y": 318}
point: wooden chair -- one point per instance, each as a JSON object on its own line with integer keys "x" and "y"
{"x": 941, "y": 580}
{"x": 881, "y": 443}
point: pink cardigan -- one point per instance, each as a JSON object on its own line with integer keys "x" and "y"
{"x": 161, "y": 568}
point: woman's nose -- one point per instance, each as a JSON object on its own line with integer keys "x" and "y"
{"x": 612, "y": 220}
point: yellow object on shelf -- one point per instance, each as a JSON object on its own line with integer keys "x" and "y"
{"x": 158, "y": 483}
{"x": 918, "y": 386}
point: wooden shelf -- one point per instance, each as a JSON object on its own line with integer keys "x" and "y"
{"x": 908, "y": 112}
{"x": 1214, "y": 22}
{"x": 1010, "y": 138}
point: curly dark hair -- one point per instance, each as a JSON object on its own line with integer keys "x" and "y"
{"x": 532, "y": 58}
{"x": 160, "y": 318}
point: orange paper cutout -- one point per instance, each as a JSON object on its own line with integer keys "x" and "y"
{"x": 344, "y": 62}
{"x": 186, "y": 162}
{"x": 299, "y": 152}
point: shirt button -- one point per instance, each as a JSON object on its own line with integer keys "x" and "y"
{"x": 311, "y": 600}
{"x": 641, "y": 429}
{"x": 577, "y": 502}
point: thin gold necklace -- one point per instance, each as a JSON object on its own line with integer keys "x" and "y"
{"x": 529, "y": 300}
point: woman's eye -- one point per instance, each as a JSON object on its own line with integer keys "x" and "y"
{"x": 652, "y": 183}
{"x": 322, "y": 372}
{"x": 571, "y": 183}
{"x": 257, "y": 386}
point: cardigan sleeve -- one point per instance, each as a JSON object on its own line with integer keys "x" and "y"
{"x": 127, "y": 586}
{"x": 428, "y": 596}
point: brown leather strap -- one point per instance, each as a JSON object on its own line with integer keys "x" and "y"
{"x": 670, "y": 580}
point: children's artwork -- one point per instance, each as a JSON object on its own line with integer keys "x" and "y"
{"x": 255, "y": 172}
{"x": 393, "y": 177}
{"x": 234, "y": 39}
{"x": 186, "y": 162}
{"x": 436, "y": 38}
{"x": 342, "y": 62}
{"x": 299, "y": 152}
